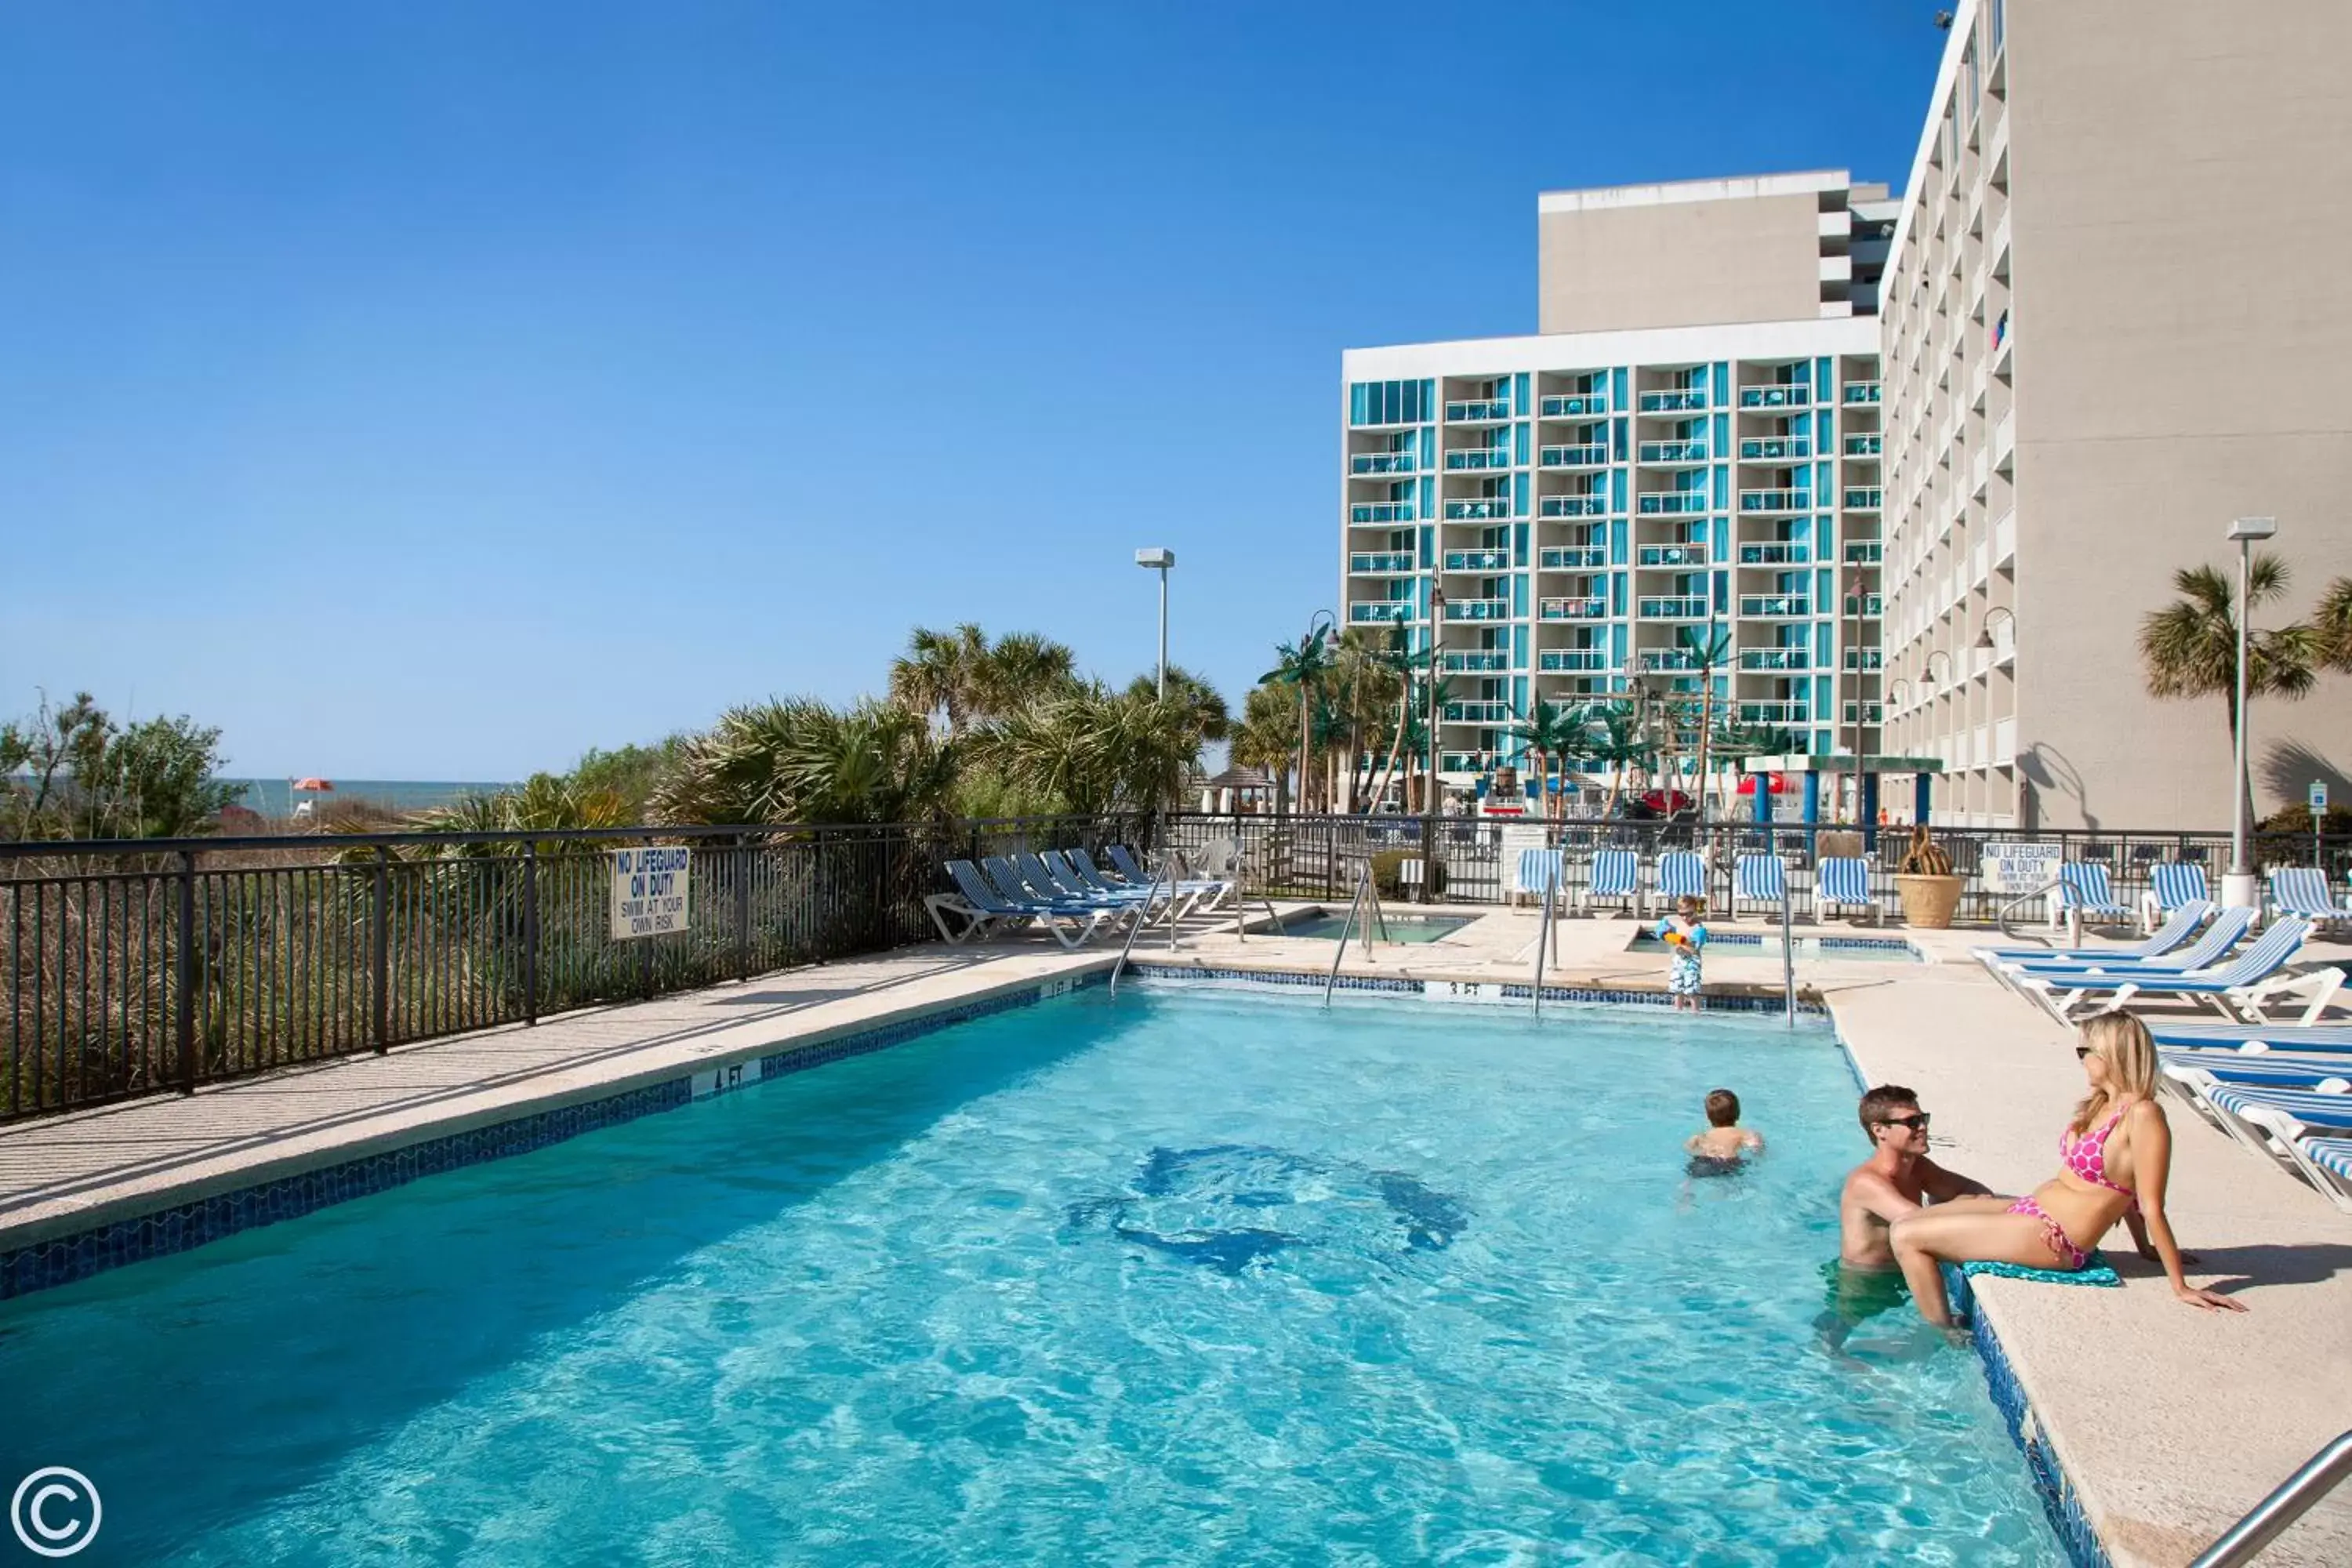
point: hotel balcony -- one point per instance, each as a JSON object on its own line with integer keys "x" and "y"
{"x": 1479, "y": 411}
{"x": 1775, "y": 448}
{"x": 1478, "y": 459}
{"x": 1775, "y": 606}
{"x": 1865, "y": 712}
{"x": 1573, "y": 506}
{"x": 1866, "y": 444}
{"x": 1477, "y": 508}
{"x": 1573, "y": 609}
{"x": 1859, "y": 500}
{"x": 1671, "y": 452}
{"x": 1573, "y": 661}
{"x": 1674, "y": 399}
{"x": 1776, "y": 500}
{"x": 1462, "y": 761}
{"x": 1381, "y": 612}
{"x": 1785, "y": 552}
{"x": 1865, "y": 606}
{"x": 1780, "y": 395}
{"x": 1595, "y": 455}
{"x": 1573, "y": 558}
{"x": 1776, "y": 659}
{"x": 1691, "y": 607}
{"x": 1672, "y": 503}
{"x": 1477, "y": 561}
{"x": 1380, "y": 562}
{"x": 1575, "y": 404}
{"x": 1862, "y": 394}
{"x": 1865, "y": 658}
{"x": 1865, "y": 553}
{"x": 1380, "y": 511}
{"x": 1476, "y": 713}
{"x": 1477, "y": 609}
{"x": 1380, "y": 463}
{"x": 1475, "y": 660}
{"x": 1667, "y": 658}
{"x": 1775, "y": 713}
{"x": 1672, "y": 555}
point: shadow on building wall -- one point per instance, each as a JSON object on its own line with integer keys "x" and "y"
{"x": 2048, "y": 772}
{"x": 2287, "y": 769}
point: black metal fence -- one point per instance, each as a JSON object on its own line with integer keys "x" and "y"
{"x": 130, "y": 967}
{"x": 1325, "y": 857}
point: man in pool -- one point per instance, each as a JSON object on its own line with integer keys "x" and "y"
{"x": 1899, "y": 1179}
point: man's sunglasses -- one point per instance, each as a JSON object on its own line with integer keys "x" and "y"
{"x": 1917, "y": 1122}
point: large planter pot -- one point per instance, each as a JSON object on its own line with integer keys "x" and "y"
{"x": 1928, "y": 902}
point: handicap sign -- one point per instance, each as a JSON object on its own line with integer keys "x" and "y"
{"x": 2319, "y": 797}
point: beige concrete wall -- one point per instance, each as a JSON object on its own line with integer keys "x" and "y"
{"x": 2179, "y": 228}
{"x": 1696, "y": 263}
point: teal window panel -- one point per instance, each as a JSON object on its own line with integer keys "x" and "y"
{"x": 1428, "y": 547}
{"x": 1617, "y": 556}
{"x": 1617, "y": 438}
{"x": 1721, "y": 384}
{"x": 1519, "y": 441}
{"x": 1520, "y": 401}
{"x": 1820, "y": 695}
{"x": 1617, "y": 489}
{"x": 1821, "y": 551}
{"x": 1618, "y": 383}
{"x": 1821, "y": 650}
{"x": 1616, "y": 593}
{"x": 1823, "y": 586}
{"x": 1518, "y": 694}
{"x": 1722, "y": 487}
{"x": 1519, "y": 485}
{"x": 1723, "y": 539}
{"x": 1822, "y": 380}
{"x": 1520, "y": 545}
{"x": 1617, "y": 647}
{"x": 1722, "y": 593}
{"x": 1723, "y": 433}
{"x": 1429, "y": 498}
{"x": 1822, "y": 431}
{"x": 1429, "y": 447}
{"x": 1823, "y": 483}
{"x": 1519, "y": 647}
{"x": 1518, "y": 595}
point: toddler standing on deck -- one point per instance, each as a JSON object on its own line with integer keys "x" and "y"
{"x": 1684, "y": 935}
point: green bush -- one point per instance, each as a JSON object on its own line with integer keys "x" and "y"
{"x": 1388, "y": 873}
{"x": 2335, "y": 819}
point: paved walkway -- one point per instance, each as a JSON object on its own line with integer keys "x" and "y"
{"x": 2169, "y": 1422}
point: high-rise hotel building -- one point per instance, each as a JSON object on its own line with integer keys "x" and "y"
{"x": 1692, "y": 441}
{"x": 2112, "y": 318}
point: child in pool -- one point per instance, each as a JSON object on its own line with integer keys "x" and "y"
{"x": 1684, "y": 935}
{"x": 1718, "y": 1151}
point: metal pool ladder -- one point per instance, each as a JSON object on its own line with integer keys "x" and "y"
{"x": 1143, "y": 916}
{"x": 2293, "y": 1498}
{"x": 1364, "y": 891}
{"x": 1547, "y": 915}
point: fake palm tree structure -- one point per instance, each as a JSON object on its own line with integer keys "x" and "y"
{"x": 1707, "y": 651}
{"x": 1612, "y": 734}
{"x": 1302, "y": 666}
{"x": 1548, "y": 732}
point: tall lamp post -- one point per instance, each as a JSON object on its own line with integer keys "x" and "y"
{"x": 1429, "y": 804}
{"x": 1159, "y": 561}
{"x": 2239, "y": 888}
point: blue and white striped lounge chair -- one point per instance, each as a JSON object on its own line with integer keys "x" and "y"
{"x": 2084, "y": 890}
{"x": 1123, "y": 859}
{"x": 1616, "y": 876}
{"x": 2326, "y": 1163}
{"x": 1208, "y": 891}
{"x": 2171, "y": 885}
{"x": 1758, "y": 880}
{"x": 1066, "y": 874}
{"x": 2177, "y": 929}
{"x": 2303, "y": 890}
{"x": 1842, "y": 882}
{"x": 2276, "y": 1070}
{"x": 2210, "y": 948}
{"x": 2243, "y": 983}
{"x": 2252, "y": 1040}
{"x": 2284, "y": 1121}
{"x": 1072, "y": 927}
{"x": 1539, "y": 869}
{"x": 1019, "y": 882}
{"x": 1681, "y": 875}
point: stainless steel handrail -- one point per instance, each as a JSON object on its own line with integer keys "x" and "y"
{"x": 1787, "y": 949}
{"x": 2001, "y": 916}
{"x": 2290, "y": 1500}
{"x": 1143, "y": 918}
{"x": 1332, "y": 983}
{"x": 1547, "y": 915}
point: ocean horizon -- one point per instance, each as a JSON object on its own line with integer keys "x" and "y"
{"x": 275, "y": 797}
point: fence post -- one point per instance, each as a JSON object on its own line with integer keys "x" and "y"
{"x": 744, "y": 913}
{"x": 529, "y": 935}
{"x": 380, "y": 945}
{"x": 184, "y": 974}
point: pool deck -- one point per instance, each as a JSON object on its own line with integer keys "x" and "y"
{"x": 2168, "y": 1422}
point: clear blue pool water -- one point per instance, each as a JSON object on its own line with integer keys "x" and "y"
{"x": 1393, "y": 927}
{"x": 1169, "y": 1278}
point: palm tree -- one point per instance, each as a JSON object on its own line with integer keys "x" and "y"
{"x": 1091, "y": 750}
{"x": 2189, "y": 647}
{"x": 1301, "y": 667}
{"x": 802, "y": 761}
{"x": 1265, "y": 737}
{"x": 937, "y": 673}
{"x": 1020, "y": 667}
{"x": 2331, "y": 625}
{"x": 1398, "y": 659}
{"x": 1548, "y": 732}
{"x": 1210, "y": 717}
{"x": 1708, "y": 651}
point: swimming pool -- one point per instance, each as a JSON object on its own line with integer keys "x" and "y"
{"x": 1179, "y": 1277}
{"x": 1399, "y": 928}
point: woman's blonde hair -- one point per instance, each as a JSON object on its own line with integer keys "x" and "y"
{"x": 2124, "y": 1043}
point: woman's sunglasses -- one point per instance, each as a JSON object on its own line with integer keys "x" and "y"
{"x": 2083, "y": 1053}
{"x": 1917, "y": 1123}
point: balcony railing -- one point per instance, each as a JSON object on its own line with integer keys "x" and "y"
{"x": 1477, "y": 609}
{"x": 1861, "y": 500}
{"x": 1380, "y": 511}
{"x": 1780, "y": 395}
{"x": 1476, "y": 508}
{"x": 1380, "y": 463}
{"x": 1591, "y": 454}
{"x": 1462, "y": 761}
{"x": 1674, "y": 400}
{"x": 1477, "y": 561}
{"x": 1865, "y": 606}
{"x": 1785, "y": 554}
{"x": 1573, "y": 659}
{"x": 1573, "y": 558}
{"x": 1476, "y": 713}
{"x": 1775, "y": 606}
{"x": 1776, "y": 659}
{"x": 1865, "y": 553}
{"x": 1475, "y": 660}
{"x": 1479, "y": 458}
{"x": 1776, "y": 500}
{"x": 1380, "y": 562}
{"x": 1672, "y": 555}
{"x": 1575, "y": 404}
{"x": 1672, "y": 503}
{"x": 1671, "y": 452}
{"x": 1674, "y": 607}
{"x": 1573, "y": 506}
{"x": 1668, "y": 658}
{"x": 1573, "y": 609}
{"x": 1865, "y": 712}
{"x": 1864, "y": 658}
{"x": 1381, "y": 612}
{"x": 1478, "y": 411}
{"x": 1861, "y": 393}
{"x": 1775, "y": 713}
{"x": 1775, "y": 448}
{"x": 1869, "y": 443}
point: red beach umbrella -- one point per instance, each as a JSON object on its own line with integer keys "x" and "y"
{"x": 316, "y": 786}
{"x": 1779, "y": 784}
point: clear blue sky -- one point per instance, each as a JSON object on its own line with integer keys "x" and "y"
{"x": 435, "y": 390}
